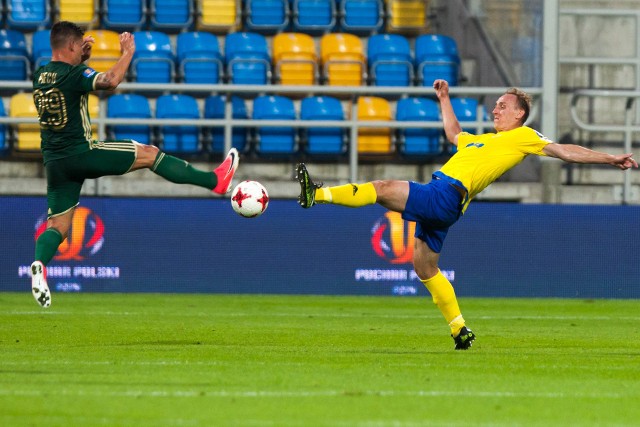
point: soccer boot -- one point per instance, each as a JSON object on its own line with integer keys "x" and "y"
{"x": 307, "y": 197}
{"x": 39, "y": 287}
{"x": 225, "y": 172}
{"x": 464, "y": 339}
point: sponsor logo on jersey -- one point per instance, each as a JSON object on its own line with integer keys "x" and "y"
{"x": 88, "y": 72}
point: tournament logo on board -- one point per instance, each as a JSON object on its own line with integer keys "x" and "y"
{"x": 392, "y": 238}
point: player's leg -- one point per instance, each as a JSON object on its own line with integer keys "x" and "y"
{"x": 390, "y": 194}
{"x": 181, "y": 172}
{"x": 425, "y": 261}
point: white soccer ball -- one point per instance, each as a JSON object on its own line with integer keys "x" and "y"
{"x": 249, "y": 199}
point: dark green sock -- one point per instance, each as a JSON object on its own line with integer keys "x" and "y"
{"x": 47, "y": 245}
{"x": 181, "y": 172}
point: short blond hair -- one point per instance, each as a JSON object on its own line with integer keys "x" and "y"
{"x": 524, "y": 101}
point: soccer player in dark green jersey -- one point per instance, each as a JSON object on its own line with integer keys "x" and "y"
{"x": 61, "y": 92}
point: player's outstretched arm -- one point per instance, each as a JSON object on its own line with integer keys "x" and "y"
{"x": 451, "y": 125}
{"x": 577, "y": 154}
{"x": 110, "y": 79}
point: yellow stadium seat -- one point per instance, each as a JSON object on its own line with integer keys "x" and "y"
{"x": 105, "y": 51}
{"x": 295, "y": 59}
{"x": 81, "y": 12}
{"x": 27, "y": 134}
{"x": 219, "y": 15}
{"x": 343, "y": 59}
{"x": 374, "y": 140}
{"x": 407, "y": 15}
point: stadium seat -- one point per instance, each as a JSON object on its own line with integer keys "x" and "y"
{"x": 313, "y": 16}
{"x": 361, "y": 15}
{"x": 4, "y": 141}
{"x": 199, "y": 58}
{"x": 40, "y": 48}
{"x": 178, "y": 139}
{"x": 343, "y": 60}
{"x": 26, "y": 135}
{"x": 267, "y": 16}
{"x": 129, "y": 106}
{"x": 93, "y": 102}
{"x": 418, "y": 141}
{"x": 274, "y": 140}
{"x": 129, "y": 15}
{"x": 214, "y": 108}
{"x": 323, "y": 140}
{"x": 14, "y": 57}
{"x": 248, "y": 60}
{"x": 153, "y": 61}
{"x": 221, "y": 16}
{"x": 294, "y": 59}
{"x": 174, "y": 15}
{"x": 390, "y": 61}
{"x": 28, "y": 14}
{"x": 105, "y": 51}
{"x": 437, "y": 58}
{"x": 81, "y": 12}
{"x": 407, "y": 15}
{"x": 466, "y": 110}
{"x": 374, "y": 140}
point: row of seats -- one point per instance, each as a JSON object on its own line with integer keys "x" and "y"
{"x": 314, "y": 16}
{"x": 268, "y": 141}
{"x": 388, "y": 61}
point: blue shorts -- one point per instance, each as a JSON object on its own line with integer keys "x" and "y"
{"x": 434, "y": 207}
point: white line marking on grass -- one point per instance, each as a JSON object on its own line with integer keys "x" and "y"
{"x": 279, "y": 394}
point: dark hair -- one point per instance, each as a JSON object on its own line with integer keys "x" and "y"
{"x": 524, "y": 101}
{"x": 62, "y": 32}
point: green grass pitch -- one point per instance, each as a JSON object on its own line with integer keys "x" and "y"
{"x": 252, "y": 360}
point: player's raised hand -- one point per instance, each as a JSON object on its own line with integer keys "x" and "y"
{"x": 87, "y": 44}
{"x": 442, "y": 88}
{"x": 127, "y": 43}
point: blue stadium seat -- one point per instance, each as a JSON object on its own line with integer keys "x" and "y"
{"x": 313, "y": 16}
{"x": 178, "y": 139}
{"x": 361, "y": 15}
{"x": 4, "y": 141}
{"x": 14, "y": 57}
{"x": 274, "y": 140}
{"x": 247, "y": 57}
{"x": 214, "y": 108}
{"x": 437, "y": 58}
{"x": 199, "y": 58}
{"x": 28, "y": 14}
{"x": 40, "y": 48}
{"x": 130, "y": 106}
{"x": 390, "y": 60}
{"x": 466, "y": 110}
{"x": 153, "y": 61}
{"x": 130, "y": 15}
{"x": 417, "y": 141}
{"x": 174, "y": 15}
{"x": 267, "y": 15}
{"x": 323, "y": 140}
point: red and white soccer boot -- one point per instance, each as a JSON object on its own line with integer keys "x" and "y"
{"x": 225, "y": 172}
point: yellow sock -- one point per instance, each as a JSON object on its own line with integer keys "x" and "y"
{"x": 350, "y": 195}
{"x": 445, "y": 298}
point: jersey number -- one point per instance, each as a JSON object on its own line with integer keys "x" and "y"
{"x": 52, "y": 108}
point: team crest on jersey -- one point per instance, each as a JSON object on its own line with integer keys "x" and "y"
{"x": 88, "y": 72}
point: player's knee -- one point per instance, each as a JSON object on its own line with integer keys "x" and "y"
{"x": 146, "y": 155}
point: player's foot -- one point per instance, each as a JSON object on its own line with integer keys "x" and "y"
{"x": 464, "y": 339}
{"x": 225, "y": 172}
{"x": 39, "y": 287}
{"x": 307, "y": 197}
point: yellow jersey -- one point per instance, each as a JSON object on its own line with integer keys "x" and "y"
{"x": 481, "y": 159}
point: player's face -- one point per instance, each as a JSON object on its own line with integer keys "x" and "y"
{"x": 507, "y": 114}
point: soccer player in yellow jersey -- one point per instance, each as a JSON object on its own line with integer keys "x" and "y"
{"x": 435, "y": 206}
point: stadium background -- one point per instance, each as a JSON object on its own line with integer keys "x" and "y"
{"x": 564, "y": 225}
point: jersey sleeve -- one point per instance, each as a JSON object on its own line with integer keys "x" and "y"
{"x": 84, "y": 78}
{"x": 532, "y": 141}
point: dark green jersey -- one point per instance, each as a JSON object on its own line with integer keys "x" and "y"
{"x": 61, "y": 94}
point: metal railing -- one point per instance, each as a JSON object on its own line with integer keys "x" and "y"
{"x": 629, "y": 127}
{"x": 345, "y": 92}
